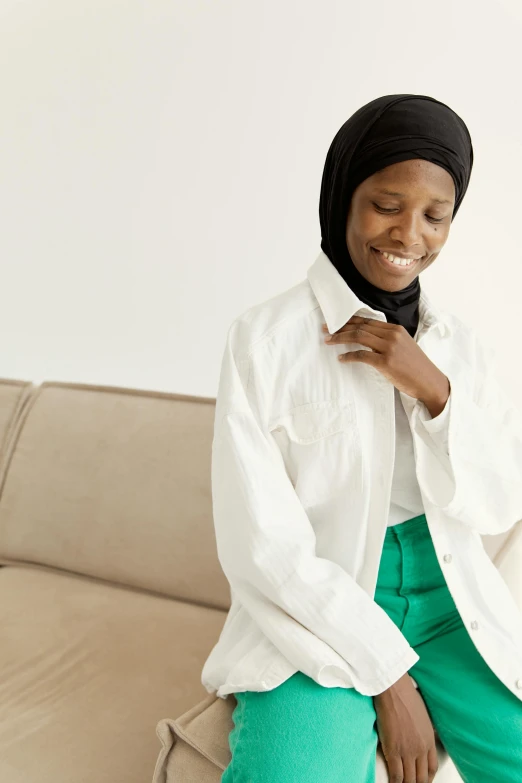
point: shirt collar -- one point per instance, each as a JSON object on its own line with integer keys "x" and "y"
{"x": 338, "y": 302}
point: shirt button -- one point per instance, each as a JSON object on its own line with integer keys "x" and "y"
{"x": 474, "y": 625}
{"x": 519, "y": 683}
{"x": 447, "y": 558}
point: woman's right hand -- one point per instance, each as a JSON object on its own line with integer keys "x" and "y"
{"x": 406, "y": 733}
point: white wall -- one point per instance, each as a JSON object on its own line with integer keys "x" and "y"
{"x": 160, "y": 166}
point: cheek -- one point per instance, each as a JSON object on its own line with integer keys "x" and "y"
{"x": 438, "y": 239}
{"x": 365, "y": 226}
{"x": 432, "y": 256}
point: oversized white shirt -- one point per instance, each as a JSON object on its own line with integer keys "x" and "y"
{"x": 303, "y": 458}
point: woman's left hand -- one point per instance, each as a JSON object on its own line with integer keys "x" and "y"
{"x": 396, "y": 355}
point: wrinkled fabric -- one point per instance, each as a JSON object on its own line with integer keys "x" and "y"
{"x": 405, "y": 494}
{"x": 302, "y": 463}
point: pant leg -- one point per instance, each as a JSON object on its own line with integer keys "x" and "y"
{"x": 478, "y": 719}
{"x": 301, "y": 732}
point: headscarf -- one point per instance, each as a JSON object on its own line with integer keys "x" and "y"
{"x": 387, "y": 130}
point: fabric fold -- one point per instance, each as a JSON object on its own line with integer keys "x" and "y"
{"x": 469, "y": 463}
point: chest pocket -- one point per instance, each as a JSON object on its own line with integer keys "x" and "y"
{"x": 321, "y": 448}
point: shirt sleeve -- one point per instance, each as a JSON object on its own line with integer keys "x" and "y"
{"x": 438, "y": 427}
{"x": 266, "y": 547}
{"x": 471, "y": 467}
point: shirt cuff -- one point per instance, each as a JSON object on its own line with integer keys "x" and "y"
{"x": 439, "y": 426}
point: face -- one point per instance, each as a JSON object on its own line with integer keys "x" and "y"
{"x": 411, "y": 220}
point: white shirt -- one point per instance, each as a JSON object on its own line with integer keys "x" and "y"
{"x": 302, "y": 465}
{"x": 406, "y": 499}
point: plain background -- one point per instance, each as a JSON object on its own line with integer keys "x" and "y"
{"x": 160, "y": 167}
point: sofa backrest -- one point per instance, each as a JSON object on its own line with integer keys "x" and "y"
{"x": 114, "y": 484}
{"x": 13, "y": 396}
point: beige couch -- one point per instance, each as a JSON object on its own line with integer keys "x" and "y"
{"x": 112, "y": 592}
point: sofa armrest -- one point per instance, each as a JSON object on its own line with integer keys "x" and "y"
{"x": 195, "y": 745}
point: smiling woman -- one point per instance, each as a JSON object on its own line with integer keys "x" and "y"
{"x": 394, "y": 178}
{"x": 351, "y": 477}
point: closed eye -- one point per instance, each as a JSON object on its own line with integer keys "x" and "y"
{"x": 388, "y": 211}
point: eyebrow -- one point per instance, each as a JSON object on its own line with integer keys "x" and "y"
{"x": 403, "y": 195}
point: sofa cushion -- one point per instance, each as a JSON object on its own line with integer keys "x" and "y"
{"x": 195, "y": 746}
{"x": 119, "y": 489}
{"x": 86, "y": 668}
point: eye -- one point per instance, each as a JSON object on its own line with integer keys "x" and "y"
{"x": 387, "y": 212}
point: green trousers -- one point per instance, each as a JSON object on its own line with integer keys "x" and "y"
{"x": 301, "y": 732}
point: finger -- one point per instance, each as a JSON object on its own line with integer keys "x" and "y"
{"x": 374, "y": 322}
{"x": 373, "y": 341}
{"x": 409, "y": 767}
{"x": 422, "y": 769}
{"x": 369, "y": 357}
{"x": 378, "y": 327}
{"x": 433, "y": 763}
{"x": 395, "y": 769}
{"x": 350, "y": 328}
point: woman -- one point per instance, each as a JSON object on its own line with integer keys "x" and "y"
{"x": 361, "y": 448}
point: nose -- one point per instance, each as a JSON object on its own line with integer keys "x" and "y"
{"x": 408, "y": 231}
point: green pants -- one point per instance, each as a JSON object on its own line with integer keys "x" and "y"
{"x": 301, "y": 732}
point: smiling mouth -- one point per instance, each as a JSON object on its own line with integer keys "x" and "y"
{"x": 390, "y": 266}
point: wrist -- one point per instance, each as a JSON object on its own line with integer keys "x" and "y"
{"x": 436, "y": 402}
{"x": 404, "y": 682}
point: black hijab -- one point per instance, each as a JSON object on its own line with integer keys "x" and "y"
{"x": 387, "y": 130}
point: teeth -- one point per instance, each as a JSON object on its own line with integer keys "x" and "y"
{"x": 399, "y": 261}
